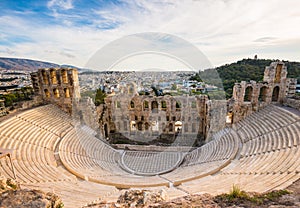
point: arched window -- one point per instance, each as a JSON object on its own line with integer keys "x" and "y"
{"x": 178, "y": 126}
{"x": 47, "y": 93}
{"x": 56, "y": 93}
{"x": 154, "y": 107}
{"x": 263, "y": 94}
{"x": 164, "y": 105}
{"x": 64, "y": 76}
{"x": 140, "y": 126}
{"x": 105, "y": 131}
{"x": 53, "y": 76}
{"x": 178, "y": 105}
{"x": 146, "y": 126}
{"x": 248, "y": 94}
{"x": 45, "y": 77}
{"x": 275, "y": 94}
{"x": 170, "y": 127}
{"x": 67, "y": 93}
{"x": 131, "y": 104}
{"x": 146, "y": 105}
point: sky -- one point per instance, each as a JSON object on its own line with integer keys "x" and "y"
{"x": 72, "y": 31}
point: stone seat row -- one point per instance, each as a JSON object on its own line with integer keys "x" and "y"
{"x": 46, "y": 116}
{"x": 286, "y": 137}
{"x": 33, "y": 164}
{"x": 254, "y": 126}
{"x": 218, "y": 149}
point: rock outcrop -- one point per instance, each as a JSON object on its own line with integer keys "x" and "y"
{"x": 12, "y": 196}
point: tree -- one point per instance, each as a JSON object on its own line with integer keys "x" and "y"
{"x": 174, "y": 87}
{"x": 99, "y": 98}
{"x": 196, "y": 77}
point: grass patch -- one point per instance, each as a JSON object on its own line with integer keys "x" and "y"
{"x": 275, "y": 194}
{"x": 240, "y": 197}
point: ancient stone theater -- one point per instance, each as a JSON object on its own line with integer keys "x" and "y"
{"x": 182, "y": 145}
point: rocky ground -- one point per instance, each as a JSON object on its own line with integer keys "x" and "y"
{"x": 235, "y": 199}
{"x": 11, "y": 196}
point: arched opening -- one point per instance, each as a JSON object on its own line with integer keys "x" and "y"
{"x": 178, "y": 126}
{"x": 47, "y": 93}
{"x": 170, "y": 127}
{"x": 164, "y": 105}
{"x": 56, "y": 93}
{"x": 229, "y": 118}
{"x": 275, "y": 94}
{"x": 154, "y": 107}
{"x": 163, "y": 127}
{"x": 67, "y": 93}
{"x": 146, "y": 126}
{"x": 131, "y": 104}
{"x": 64, "y": 76}
{"x": 146, "y": 105}
{"x": 248, "y": 94}
{"x": 140, "y": 126}
{"x": 105, "y": 131}
{"x": 132, "y": 126}
{"x": 53, "y": 76}
{"x": 263, "y": 94}
{"x": 45, "y": 77}
{"x": 178, "y": 106}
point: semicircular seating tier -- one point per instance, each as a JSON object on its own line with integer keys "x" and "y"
{"x": 52, "y": 152}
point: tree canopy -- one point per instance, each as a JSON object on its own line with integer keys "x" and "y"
{"x": 244, "y": 70}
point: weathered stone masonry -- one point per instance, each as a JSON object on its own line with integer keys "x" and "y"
{"x": 57, "y": 85}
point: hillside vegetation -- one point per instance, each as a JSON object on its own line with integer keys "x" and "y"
{"x": 246, "y": 69}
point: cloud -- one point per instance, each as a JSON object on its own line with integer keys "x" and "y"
{"x": 7, "y": 51}
{"x": 60, "y": 4}
{"x": 264, "y": 39}
{"x": 68, "y": 55}
{"x": 222, "y": 30}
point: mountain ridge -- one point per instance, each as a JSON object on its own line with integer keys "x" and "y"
{"x": 29, "y": 65}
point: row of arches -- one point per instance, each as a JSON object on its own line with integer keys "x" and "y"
{"x": 56, "y": 93}
{"x": 263, "y": 94}
{"x": 145, "y": 126}
{"x": 154, "y": 105}
{"x": 54, "y": 77}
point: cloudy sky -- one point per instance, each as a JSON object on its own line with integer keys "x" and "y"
{"x": 72, "y": 31}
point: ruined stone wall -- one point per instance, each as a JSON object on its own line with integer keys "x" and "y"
{"x": 216, "y": 118}
{"x": 150, "y": 119}
{"x": 251, "y": 96}
{"x": 59, "y": 86}
{"x": 291, "y": 84}
{"x": 3, "y": 110}
{"x": 292, "y": 102}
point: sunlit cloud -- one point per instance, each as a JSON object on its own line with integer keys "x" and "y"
{"x": 224, "y": 31}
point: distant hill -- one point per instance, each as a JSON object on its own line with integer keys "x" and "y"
{"x": 27, "y": 64}
{"x": 24, "y": 64}
{"x": 247, "y": 69}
